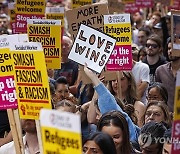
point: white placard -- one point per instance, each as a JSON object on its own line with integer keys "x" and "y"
{"x": 60, "y": 120}
{"x": 92, "y": 47}
{"x": 44, "y": 21}
{"x": 117, "y": 18}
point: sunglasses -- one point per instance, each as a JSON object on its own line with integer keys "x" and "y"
{"x": 152, "y": 45}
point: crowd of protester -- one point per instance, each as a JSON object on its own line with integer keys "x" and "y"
{"x": 113, "y": 123}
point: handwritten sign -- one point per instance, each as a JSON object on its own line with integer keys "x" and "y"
{"x": 119, "y": 27}
{"x": 31, "y": 79}
{"x": 176, "y": 122}
{"x": 28, "y": 9}
{"x": 48, "y": 33}
{"x": 61, "y": 132}
{"x": 90, "y": 15}
{"x": 92, "y": 47}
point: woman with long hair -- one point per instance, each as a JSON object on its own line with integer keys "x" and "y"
{"x": 114, "y": 124}
{"x": 129, "y": 94}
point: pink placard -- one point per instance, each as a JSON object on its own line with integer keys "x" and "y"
{"x": 21, "y": 21}
{"x": 8, "y": 98}
{"x": 131, "y": 8}
{"x": 120, "y": 59}
{"x": 143, "y": 3}
{"x": 176, "y": 5}
{"x": 176, "y": 137}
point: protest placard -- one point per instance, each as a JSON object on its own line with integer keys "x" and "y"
{"x": 48, "y": 33}
{"x": 12, "y": 15}
{"x": 119, "y": 27}
{"x": 92, "y": 47}
{"x": 61, "y": 132}
{"x": 176, "y": 122}
{"x": 56, "y": 13}
{"x": 131, "y": 8}
{"x": 115, "y": 6}
{"x": 90, "y": 15}
{"x": 175, "y": 32}
{"x": 78, "y": 3}
{"x": 31, "y": 79}
{"x": 28, "y": 9}
{"x": 144, "y": 4}
{"x": 174, "y": 4}
{"x": 164, "y": 2}
{"x": 8, "y": 98}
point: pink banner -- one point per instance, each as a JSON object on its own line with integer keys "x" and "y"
{"x": 8, "y": 98}
{"x": 143, "y": 3}
{"x": 120, "y": 59}
{"x": 21, "y": 21}
{"x": 131, "y": 8}
{"x": 176, "y": 5}
{"x": 176, "y": 137}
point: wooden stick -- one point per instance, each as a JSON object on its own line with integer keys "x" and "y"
{"x": 38, "y": 129}
{"x": 19, "y": 129}
{"x": 17, "y": 141}
{"x": 119, "y": 75}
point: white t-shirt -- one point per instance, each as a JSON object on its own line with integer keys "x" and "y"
{"x": 140, "y": 72}
{"x": 9, "y": 148}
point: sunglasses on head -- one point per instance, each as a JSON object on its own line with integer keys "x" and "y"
{"x": 152, "y": 45}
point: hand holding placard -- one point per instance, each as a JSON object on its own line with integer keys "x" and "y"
{"x": 92, "y": 47}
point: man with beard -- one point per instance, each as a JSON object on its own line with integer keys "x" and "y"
{"x": 166, "y": 74}
{"x": 30, "y": 139}
{"x": 154, "y": 56}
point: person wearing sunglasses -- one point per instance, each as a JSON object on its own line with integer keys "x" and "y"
{"x": 154, "y": 56}
{"x": 166, "y": 74}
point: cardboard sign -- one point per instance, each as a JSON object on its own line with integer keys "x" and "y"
{"x": 61, "y": 132}
{"x": 119, "y": 27}
{"x": 28, "y": 9}
{"x": 115, "y": 6}
{"x": 92, "y": 47}
{"x": 176, "y": 122}
{"x": 78, "y": 3}
{"x": 144, "y": 4}
{"x": 12, "y": 14}
{"x": 131, "y": 8}
{"x": 108, "y": 75}
{"x": 31, "y": 79}
{"x": 8, "y": 98}
{"x": 48, "y": 33}
{"x": 90, "y": 15}
{"x": 175, "y": 32}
